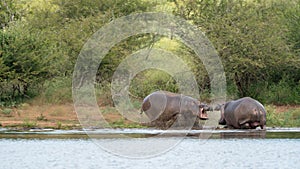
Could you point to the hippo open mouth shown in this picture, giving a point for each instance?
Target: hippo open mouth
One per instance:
(203, 114)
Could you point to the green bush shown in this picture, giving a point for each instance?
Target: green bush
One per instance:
(280, 93)
(152, 80)
(103, 93)
(57, 90)
(257, 41)
(283, 93)
(23, 64)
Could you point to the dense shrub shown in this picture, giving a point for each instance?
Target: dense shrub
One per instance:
(257, 41)
(150, 81)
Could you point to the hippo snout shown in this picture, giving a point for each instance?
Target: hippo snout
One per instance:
(203, 111)
(208, 108)
(218, 107)
(222, 121)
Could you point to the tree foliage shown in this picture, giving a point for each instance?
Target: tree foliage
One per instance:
(258, 42)
(43, 43)
(251, 38)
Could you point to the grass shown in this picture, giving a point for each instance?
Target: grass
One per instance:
(41, 117)
(59, 125)
(6, 112)
(29, 124)
(288, 118)
(122, 124)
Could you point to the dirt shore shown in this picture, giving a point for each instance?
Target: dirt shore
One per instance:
(63, 116)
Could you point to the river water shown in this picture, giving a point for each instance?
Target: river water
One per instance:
(74, 149)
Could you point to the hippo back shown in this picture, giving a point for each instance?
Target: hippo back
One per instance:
(166, 109)
(155, 104)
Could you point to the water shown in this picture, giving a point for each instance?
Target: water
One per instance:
(76, 150)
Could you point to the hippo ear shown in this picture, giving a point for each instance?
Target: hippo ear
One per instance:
(218, 107)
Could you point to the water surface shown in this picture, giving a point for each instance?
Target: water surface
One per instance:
(76, 150)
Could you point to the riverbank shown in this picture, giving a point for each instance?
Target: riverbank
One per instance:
(63, 116)
(207, 133)
(55, 116)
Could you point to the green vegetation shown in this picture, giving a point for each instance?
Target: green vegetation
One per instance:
(258, 42)
(59, 125)
(255, 43)
(28, 124)
(122, 124)
(6, 111)
(152, 80)
(289, 118)
(41, 117)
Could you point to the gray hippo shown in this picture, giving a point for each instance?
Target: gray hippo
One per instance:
(165, 109)
(244, 113)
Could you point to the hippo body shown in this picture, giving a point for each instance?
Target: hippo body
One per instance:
(165, 109)
(244, 113)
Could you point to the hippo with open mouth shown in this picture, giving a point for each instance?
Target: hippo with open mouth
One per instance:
(163, 108)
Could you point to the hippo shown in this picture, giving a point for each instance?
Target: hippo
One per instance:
(244, 113)
(163, 108)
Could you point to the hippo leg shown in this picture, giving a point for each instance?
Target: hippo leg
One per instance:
(254, 125)
(229, 127)
(180, 122)
(263, 127)
(245, 126)
(197, 124)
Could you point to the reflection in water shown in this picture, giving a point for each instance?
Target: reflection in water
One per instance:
(239, 135)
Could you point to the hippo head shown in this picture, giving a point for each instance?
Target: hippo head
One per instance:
(203, 108)
(221, 108)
